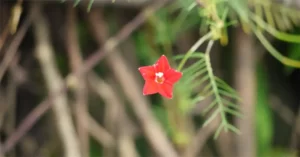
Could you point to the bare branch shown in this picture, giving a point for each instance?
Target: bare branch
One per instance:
(112, 43)
(81, 106)
(13, 47)
(200, 139)
(54, 81)
(29, 121)
(124, 125)
(12, 23)
(139, 104)
(100, 134)
(282, 110)
(296, 132)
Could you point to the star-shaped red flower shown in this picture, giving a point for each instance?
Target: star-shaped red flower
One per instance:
(160, 78)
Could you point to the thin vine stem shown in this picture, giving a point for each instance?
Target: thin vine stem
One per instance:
(277, 34)
(193, 49)
(285, 60)
(214, 84)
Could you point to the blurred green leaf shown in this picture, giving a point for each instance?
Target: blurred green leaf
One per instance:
(181, 138)
(144, 50)
(241, 8)
(95, 149)
(263, 114)
(162, 24)
(162, 116)
(142, 147)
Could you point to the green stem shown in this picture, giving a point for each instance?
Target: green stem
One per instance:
(193, 49)
(214, 84)
(277, 34)
(285, 60)
(90, 5)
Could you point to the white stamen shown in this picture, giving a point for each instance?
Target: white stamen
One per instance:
(159, 74)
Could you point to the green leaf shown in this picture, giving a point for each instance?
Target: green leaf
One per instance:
(195, 75)
(233, 112)
(228, 94)
(240, 6)
(233, 129)
(161, 114)
(210, 106)
(197, 55)
(212, 117)
(198, 99)
(207, 88)
(201, 81)
(195, 67)
(230, 104)
(224, 85)
(263, 114)
(218, 131)
(144, 49)
(163, 30)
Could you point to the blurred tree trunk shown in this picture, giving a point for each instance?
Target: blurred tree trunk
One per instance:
(246, 86)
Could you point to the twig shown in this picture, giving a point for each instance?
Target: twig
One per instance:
(12, 49)
(8, 103)
(79, 89)
(54, 82)
(3, 36)
(289, 117)
(30, 120)
(99, 133)
(111, 114)
(12, 23)
(125, 139)
(3, 107)
(140, 106)
(112, 43)
(201, 137)
(17, 11)
(10, 120)
(282, 110)
(296, 133)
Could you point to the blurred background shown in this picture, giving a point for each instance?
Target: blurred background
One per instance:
(70, 85)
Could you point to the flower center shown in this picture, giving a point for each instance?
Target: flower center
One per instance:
(159, 77)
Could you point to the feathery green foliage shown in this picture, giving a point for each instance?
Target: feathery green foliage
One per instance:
(200, 74)
(278, 18)
(199, 81)
(214, 15)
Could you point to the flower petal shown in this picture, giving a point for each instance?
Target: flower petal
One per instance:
(172, 76)
(166, 90)
(150, 87)
(148, 72)
(162, 64)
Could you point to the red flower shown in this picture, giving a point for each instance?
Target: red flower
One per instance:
(160, 78)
